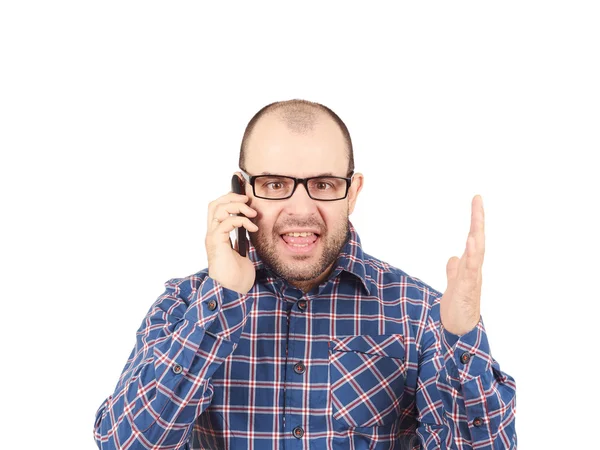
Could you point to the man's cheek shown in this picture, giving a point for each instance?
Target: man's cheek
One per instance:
(265, 222)
(259, 220)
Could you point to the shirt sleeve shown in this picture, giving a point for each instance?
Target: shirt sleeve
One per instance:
(165, 385)
(464, 400)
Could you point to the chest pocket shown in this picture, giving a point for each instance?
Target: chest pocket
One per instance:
(367, 376)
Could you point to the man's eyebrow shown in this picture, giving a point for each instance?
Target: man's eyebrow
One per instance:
(325, 174)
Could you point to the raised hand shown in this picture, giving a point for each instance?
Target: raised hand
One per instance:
(224, 263)
(460, 304)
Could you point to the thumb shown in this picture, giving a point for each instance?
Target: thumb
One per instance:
(452, 269)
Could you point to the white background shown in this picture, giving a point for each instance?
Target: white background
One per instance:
(121, 121)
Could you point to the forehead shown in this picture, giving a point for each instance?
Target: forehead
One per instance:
(274, 147)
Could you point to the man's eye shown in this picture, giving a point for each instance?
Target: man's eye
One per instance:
(322, 186)
(275, 186)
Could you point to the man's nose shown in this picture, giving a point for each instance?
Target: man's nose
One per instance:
(300, 203)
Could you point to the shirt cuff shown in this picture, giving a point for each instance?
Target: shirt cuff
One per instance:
(219, 310)
(209, 300)
(468, 355)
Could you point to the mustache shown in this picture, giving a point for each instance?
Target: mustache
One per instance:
(310, 223)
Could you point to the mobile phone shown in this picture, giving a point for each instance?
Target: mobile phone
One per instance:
(237, 186)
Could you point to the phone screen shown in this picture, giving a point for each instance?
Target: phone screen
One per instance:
(237, 186)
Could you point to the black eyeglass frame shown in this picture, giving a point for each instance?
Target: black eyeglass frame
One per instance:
(252, 178)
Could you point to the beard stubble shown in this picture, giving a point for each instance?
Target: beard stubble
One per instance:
(332, 242)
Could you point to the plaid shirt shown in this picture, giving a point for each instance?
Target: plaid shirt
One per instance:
(359, 362)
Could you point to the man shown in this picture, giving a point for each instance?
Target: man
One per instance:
(309, 342)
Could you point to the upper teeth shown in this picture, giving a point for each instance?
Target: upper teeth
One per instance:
(304, 234)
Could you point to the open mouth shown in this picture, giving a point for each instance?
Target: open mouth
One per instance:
(300, 242)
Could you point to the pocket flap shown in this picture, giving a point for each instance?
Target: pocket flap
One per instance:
(387, 345)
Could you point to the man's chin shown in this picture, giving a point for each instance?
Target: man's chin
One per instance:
(297, 272)
(300, 278)
(294, 266)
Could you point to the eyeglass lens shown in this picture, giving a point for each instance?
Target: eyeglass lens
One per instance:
(322, 188)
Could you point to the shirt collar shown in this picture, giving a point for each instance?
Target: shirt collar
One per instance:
(350, 259)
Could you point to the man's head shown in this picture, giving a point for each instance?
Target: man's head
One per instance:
(300, 116)
(299, 139)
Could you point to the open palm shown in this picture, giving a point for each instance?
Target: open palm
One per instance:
(460, 304)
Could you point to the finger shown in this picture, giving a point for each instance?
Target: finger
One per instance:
(478, 222)
(223, 211)
(473, 260)
(227, 198)
(462, 262)
(219, 212)
(452, 269)
(468, 276)
(476, 238)
(230, 224)
(477, 215)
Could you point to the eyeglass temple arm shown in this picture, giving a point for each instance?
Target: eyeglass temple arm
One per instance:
(245, 175)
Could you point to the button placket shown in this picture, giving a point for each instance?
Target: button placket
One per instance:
(296, 354)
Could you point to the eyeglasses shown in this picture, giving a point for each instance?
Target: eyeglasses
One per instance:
(279, 187)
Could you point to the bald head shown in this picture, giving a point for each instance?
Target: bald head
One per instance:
(300, 117)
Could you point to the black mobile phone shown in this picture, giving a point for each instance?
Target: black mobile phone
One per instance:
(237, 186)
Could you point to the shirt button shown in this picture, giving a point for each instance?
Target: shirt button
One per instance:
(212, 305)
(465, 357)
(302, 305)
(298, 432)
(477, 421)
(299, 368)
(177, 369)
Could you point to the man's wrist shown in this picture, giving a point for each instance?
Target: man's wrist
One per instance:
(468, 354)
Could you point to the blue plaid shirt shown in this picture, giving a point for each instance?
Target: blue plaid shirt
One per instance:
(359, 362)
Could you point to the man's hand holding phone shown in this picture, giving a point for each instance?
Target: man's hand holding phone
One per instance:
(224, 263)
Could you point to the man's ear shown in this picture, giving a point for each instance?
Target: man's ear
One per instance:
(355, 188)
